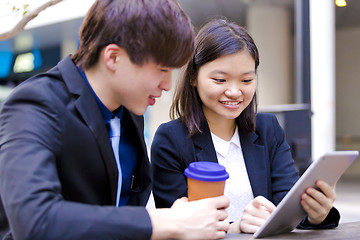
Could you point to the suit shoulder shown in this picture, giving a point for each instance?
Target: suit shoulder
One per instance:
(38, 86)
(48, 85)
(173, 128)
(264, 117)
(174, 125)
(267, 125)
(266, 122)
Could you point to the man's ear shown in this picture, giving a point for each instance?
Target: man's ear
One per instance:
(112, 54)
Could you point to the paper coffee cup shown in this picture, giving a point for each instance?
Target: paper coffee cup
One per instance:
(205, 179)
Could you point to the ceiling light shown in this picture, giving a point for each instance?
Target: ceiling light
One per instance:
(340, 3)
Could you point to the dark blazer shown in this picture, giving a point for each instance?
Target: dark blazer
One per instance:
(267, 156)
(58, 175)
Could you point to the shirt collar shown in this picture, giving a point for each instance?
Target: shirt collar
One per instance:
(105, 112)
(221, 146)
(236, 138)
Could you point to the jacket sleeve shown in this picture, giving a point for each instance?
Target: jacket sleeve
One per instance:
(284, 173)
(331, 221)
(282, 169)
(167, 160)
(30, 188)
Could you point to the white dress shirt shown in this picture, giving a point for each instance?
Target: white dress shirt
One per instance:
(237, 187)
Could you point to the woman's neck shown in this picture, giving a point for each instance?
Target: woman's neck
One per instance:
(223, 129)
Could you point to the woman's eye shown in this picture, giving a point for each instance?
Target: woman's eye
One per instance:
(218, 80)
(247, 80)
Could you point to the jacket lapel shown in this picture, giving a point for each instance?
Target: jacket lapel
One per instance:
(86, 105)
(204, 147)
(141, 180)
(254, 157)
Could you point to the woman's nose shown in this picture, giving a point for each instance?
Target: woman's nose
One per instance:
(233, 93)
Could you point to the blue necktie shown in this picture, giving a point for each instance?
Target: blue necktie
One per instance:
(115, 140)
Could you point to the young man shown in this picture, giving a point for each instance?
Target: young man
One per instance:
(59, 176)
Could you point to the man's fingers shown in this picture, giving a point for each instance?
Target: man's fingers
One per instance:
(221, 202)
(223, 226)
(220, 235)
(179, 201)
(222, 215)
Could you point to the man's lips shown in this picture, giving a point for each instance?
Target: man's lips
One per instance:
(152, 100)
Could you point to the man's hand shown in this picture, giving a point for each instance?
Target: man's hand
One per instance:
(202, 219)
(317, 204)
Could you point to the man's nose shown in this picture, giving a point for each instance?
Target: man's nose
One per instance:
(166, 82)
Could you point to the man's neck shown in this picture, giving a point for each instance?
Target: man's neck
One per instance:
(98, 82)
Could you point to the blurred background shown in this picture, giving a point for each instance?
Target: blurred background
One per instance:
(308, 74)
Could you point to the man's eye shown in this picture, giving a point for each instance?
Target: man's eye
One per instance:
(164, 70)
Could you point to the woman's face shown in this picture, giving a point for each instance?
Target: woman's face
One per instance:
(226, 86)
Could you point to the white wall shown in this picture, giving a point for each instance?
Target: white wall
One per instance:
(348, 82)
(271, 26)
(322, 53)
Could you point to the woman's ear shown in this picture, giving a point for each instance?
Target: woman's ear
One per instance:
(112, 54)
(194, 83)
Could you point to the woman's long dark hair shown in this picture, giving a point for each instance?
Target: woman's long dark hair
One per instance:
(217, 38)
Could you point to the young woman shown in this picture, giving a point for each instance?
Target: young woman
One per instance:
(215, 103)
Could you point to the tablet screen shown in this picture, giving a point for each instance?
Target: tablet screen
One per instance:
(289, 213)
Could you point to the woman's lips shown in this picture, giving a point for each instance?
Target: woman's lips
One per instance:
(231, 104)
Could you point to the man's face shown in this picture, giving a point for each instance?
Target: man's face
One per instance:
(136, 87)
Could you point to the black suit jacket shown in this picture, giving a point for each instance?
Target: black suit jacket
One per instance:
(58, 175)
(267, 156)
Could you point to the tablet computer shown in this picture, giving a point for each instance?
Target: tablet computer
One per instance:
(289, 213)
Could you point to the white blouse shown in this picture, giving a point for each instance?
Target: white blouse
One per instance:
(237, 187)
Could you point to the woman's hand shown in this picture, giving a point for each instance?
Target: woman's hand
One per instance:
(255, 215)
(318, 203)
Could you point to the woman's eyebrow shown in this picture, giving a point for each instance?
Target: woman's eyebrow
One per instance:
(225, 73)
